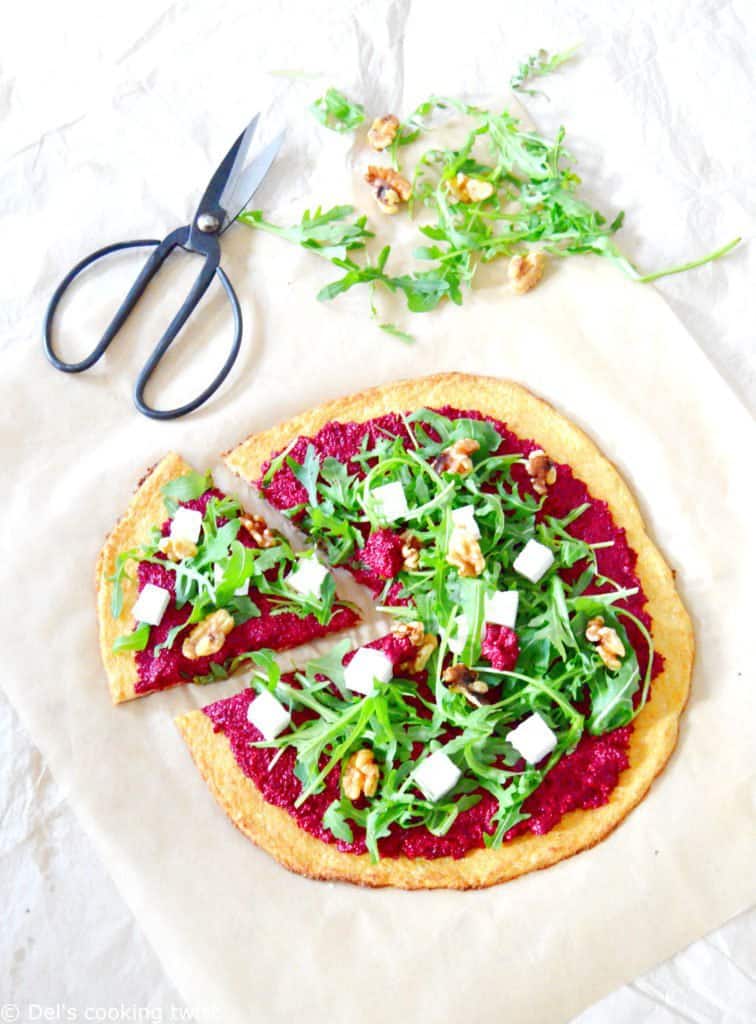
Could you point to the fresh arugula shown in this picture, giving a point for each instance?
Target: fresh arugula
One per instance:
(535, 204)
(137, 640)
(338, 113)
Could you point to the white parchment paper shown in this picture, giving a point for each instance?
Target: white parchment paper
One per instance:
(243, 939)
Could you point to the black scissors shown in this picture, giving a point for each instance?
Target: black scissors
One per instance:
(230, 189)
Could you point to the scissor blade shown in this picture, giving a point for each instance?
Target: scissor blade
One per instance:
(227, 173)
(239, 192)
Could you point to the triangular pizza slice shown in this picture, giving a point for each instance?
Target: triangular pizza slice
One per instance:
(188, 583)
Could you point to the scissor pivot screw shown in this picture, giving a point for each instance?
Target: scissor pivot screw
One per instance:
(208, 223)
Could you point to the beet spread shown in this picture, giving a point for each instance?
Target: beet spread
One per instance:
(279, 632)
(583, 779)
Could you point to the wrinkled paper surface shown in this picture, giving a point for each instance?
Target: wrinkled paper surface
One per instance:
(241, 938)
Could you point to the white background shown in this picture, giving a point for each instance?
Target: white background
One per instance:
(659, 111)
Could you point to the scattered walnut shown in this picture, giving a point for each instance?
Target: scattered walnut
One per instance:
(383, 132)
(208, 636)
(390, 188)
(525, 271)
(461, 679)
(464, 553)
(456, 458)
(411, 548)
(541, 470)
(259, 531)
(464, 189)
(610, 647)
(424, 644)
(177, 548)
(360, 775)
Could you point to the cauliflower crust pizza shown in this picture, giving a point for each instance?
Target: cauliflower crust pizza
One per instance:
(530, 686)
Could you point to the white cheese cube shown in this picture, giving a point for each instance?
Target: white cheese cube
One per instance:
(501, 608)
(268, 715)
(150, 606)
(533, 561)
(186, 524)
(391, 501)
(457, 640)
(307, 578)
(464, 518)
(241, 591)
(366, 666)
(532, 738)
(436, 775)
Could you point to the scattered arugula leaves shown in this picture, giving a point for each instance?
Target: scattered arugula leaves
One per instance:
(338, 113)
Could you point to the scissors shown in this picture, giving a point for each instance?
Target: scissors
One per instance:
(229, 191)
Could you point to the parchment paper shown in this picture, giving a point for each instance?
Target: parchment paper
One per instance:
(243, 939)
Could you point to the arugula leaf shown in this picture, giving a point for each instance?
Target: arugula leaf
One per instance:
(134, 641)
(536, 66)
(612, 697)
(396, 332)
(307, 473)
(336, 823)
(243, 609)
(187, 487)
(330, 664)
(336, 112)
(116, 597)
(329, 233)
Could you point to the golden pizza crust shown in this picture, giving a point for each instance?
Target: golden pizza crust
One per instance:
(146, 510)
(656, 727)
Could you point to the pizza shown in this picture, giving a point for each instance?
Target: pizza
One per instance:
(529, 687)
(189, 584)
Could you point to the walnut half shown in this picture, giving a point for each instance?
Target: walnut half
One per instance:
(176, 549)
(541, 470)
(389, 187)
(461, 679)
(208, 636)
(610, 647)
(525, 271)
(464, 189)
(456, 458)
(410, 551)
(383, 132)
(259, 531)
(424, 644)
(360, 775)
(464, 553)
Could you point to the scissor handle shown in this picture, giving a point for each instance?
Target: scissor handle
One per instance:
(207, 246)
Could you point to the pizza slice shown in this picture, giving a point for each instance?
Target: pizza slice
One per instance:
(554, 652)
(188, 584)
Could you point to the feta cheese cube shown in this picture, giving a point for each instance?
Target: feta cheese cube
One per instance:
(366, 666)
(464, 519)
(241, 591)
(436, 775)
(150, 606)
(501, 608)
(186, 524)
(391, 501)
(532, 738)
(457, 640)
(533, 561)
(268, 715)
(307, 578)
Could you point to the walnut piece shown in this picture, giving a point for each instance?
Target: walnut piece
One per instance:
(461, 679)
(410, 552)
(610, 647)
(541, 470)
(360, 775)
(208, 636)
(383, 132)
(176, 549)
(389, 187)
(456, 458)
(424, 644)
(525, 271)
(464, 553)
(464, 189)
(259, 531)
